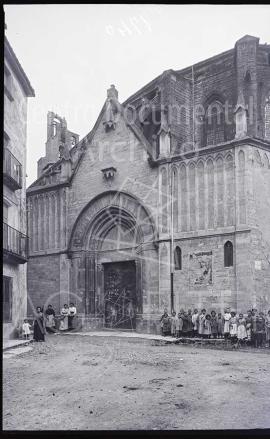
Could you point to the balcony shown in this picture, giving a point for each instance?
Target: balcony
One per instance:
(15, 245)
(12, 171)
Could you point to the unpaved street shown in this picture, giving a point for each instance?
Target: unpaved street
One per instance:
(84, 383)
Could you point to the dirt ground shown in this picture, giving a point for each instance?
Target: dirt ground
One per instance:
(93, 383)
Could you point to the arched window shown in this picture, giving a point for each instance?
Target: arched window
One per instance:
(54, 129)
(178, 258)
(248, 99)
(267, 118)
(247, 77)
(214, 124)
(228, 254)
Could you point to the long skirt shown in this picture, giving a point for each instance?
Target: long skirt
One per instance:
(267, 333)
(71, 322)
(166, 326)
(201, 327)
(173, 326)
(38, 331)
(233, 330)
(50, 321)
(226, 327)
(241, 332)
(220, 327)
(63, 324)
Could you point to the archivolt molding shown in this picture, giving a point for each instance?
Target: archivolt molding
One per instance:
(106, 211)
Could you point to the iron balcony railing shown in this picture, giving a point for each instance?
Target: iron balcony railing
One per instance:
(12, 170)
(15, 244)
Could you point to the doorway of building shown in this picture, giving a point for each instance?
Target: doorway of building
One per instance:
(120, 295)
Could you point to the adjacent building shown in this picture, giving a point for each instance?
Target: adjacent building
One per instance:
(165, 203)
(17, 90)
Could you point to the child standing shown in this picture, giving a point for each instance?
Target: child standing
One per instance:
(165, 324)
(267, 328)
(185, 323)
(214, 324)
(179, 325)
(173, 324)
(233, 327)
(220, 325)
(207, 326)
(195, 322)
(254, 315)
(249, 325)
(259, 330)
(241, 330)
(201, 322)
(189, 324)
(227, 318)
(26, 329)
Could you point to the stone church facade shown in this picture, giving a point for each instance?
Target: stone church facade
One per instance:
(164, 204)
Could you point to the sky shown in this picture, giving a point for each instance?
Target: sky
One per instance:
(73, 53)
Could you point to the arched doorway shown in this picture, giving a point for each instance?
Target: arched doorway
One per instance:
(112, 237)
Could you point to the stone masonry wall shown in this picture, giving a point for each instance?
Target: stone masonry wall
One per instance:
(15, 118)
(43, 282)
(121, 149)
(260, 242)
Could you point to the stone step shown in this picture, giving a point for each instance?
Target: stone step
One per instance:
(11, 344)
(137, 335)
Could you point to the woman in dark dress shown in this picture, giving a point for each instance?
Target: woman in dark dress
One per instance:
(50, 319)
(185, 328)
(165, 324)
(39, 325)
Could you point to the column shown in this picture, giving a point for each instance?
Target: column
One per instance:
(56, 219)
(39, 231)
(35, 223)
(63, 218)
(139, 292)
(46, 243)
(53, 220)
(90, 280)
(50, 237)
(64, 279)
(31, 237)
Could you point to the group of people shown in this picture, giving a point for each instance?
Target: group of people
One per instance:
(45, 322)
(252, 328)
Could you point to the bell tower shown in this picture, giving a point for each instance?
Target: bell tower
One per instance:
(57, 135)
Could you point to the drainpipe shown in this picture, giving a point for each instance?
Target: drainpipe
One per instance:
(193, 108)
(172, 243)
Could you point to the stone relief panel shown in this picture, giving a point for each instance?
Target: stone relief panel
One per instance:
(200, 269)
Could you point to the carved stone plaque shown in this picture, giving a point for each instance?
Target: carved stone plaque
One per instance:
(200, 268)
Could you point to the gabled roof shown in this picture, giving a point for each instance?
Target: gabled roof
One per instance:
(18, 70)
(46, 172)
(88, 138)
(136, 130)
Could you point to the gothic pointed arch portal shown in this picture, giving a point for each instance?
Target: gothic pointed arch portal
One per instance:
(112, 239)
